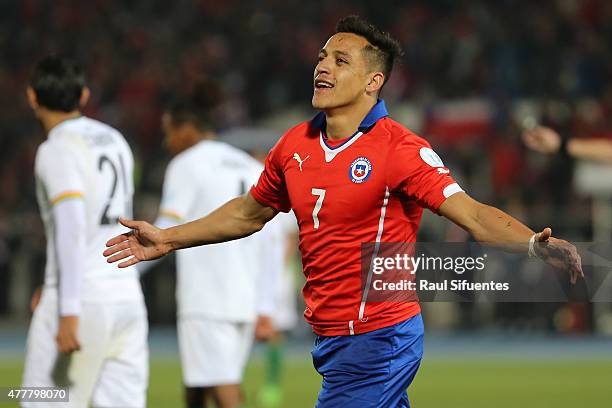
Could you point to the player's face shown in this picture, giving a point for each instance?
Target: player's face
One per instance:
(175, 138)
(342, 73)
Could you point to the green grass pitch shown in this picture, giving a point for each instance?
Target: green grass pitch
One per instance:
(439, 383)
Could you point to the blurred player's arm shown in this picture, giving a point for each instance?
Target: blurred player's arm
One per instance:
(272, 263)
(238, 218)
(547, 141)
(35, 300)
(492, 226)
(55, 164)
(70, 225)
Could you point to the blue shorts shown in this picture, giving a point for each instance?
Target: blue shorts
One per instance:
(371, 369)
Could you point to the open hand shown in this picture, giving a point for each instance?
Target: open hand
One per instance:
(143, 243)
(559, 254)
(542, 139)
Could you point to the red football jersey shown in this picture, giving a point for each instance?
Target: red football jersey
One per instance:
(371, 187)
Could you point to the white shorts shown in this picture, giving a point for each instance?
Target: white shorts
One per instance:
(213, 352)
(110, 370)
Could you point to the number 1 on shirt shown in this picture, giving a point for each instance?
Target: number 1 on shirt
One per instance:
(315, 212)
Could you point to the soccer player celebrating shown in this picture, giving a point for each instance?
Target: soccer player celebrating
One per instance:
(352, 175)
(89, 329)
(225, 293)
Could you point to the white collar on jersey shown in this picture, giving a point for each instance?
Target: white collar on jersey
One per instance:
(55, 129)
(331, 152)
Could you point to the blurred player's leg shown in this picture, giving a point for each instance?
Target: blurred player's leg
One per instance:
(213, 356)
(227, 396)
(271, 396)
(41, 349)
(195, 397)
(46, 367)
(284, 318)
(124, 375)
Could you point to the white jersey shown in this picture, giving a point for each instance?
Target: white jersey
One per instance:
(214, 281)
(286, 317)
(86, 159)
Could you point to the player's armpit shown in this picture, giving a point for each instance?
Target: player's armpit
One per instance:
(256, 211)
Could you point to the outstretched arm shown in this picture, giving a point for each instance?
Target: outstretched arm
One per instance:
(545, 140)
(492, 226)
(590, 149)
(238, 218)
(162, 222)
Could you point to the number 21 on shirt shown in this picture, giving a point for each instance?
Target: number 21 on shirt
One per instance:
(115, 200)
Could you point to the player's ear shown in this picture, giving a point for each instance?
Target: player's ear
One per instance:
(85, 94)
(377, 79)
(32, 100)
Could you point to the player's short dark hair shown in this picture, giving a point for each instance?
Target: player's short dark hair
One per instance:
(197, 108)
(383, 49)
(58, 83)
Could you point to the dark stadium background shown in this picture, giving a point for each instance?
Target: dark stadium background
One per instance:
(473, 71)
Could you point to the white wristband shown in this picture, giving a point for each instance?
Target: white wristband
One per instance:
(531, 251)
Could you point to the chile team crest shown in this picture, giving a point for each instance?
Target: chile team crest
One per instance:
(360, 170)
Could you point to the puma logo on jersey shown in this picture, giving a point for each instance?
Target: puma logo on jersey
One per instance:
(443, 171)
(299, 160)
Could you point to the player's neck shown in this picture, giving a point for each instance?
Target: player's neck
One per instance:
(209, 135)
(51, 119)
(344, 121)
(200, 137)
(192, 140)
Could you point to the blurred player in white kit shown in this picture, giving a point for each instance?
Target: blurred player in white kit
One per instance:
(223, 291)
(284, 316)
(89, 330)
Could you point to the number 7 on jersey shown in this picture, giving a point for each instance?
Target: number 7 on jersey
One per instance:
(319, 192)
